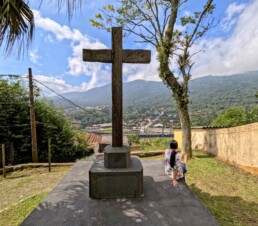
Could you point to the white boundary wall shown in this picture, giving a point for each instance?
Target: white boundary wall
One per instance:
(237, 145)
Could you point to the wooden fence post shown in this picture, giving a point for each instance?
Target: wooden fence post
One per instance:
(3, 160)
(49, 154)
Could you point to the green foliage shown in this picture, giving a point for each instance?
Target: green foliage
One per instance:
(236, 116)
(149, 144)
(253, 115)
(92, 117)
(14, 118)
(65, 145)
(133, 139)
(188, 20)
(51, 123)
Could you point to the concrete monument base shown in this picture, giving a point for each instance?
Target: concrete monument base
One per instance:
(117, 157)
(116, 182)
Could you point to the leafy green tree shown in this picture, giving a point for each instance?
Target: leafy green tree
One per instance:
(234, 116)
(253, 115)
(14, 118)
(51, 123)
(155, 22)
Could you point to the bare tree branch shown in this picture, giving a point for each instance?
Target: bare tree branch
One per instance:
(206, 8)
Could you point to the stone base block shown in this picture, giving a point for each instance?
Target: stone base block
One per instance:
(117, 157)
(116, 183)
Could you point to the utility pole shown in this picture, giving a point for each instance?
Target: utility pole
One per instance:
(33, 121)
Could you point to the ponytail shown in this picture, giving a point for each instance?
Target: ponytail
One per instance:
(173, 146)
(172, 159)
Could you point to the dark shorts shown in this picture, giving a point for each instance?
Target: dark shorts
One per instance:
(181, 179)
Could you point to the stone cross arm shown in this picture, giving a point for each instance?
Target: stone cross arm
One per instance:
(128, 56)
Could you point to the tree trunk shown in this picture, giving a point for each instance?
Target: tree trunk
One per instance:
(186, 132)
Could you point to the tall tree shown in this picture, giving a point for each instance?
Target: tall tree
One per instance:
(51, 123)
(158, 22)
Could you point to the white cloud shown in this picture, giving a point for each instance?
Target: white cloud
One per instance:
(33, 55)
(100, 73)
(232, 11)
(235, 54)
(79, 41)
(49, 38)
(56, 84)
(143, 71)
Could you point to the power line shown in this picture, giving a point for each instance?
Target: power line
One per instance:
(61, 96)
(19, 76)
(15, 76)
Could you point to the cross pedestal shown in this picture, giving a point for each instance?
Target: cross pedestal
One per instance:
(118, 174)
(116, 182)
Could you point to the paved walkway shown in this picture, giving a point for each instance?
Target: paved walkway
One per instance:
(69, 203)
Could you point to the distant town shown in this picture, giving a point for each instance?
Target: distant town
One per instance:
(136, 120)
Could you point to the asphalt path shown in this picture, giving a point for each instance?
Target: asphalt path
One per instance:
(69, 203)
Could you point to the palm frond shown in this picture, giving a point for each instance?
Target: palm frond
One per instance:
(71, 5)
(16, 26)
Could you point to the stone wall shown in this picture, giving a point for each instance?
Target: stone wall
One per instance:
(237, 145)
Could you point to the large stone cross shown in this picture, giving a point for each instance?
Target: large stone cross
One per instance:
(117, 56)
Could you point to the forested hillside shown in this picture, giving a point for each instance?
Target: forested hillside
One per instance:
(209, 96)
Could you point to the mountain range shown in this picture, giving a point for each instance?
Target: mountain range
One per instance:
(212, 92)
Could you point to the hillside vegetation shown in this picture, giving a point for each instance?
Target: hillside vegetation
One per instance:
(209, 97)
(204, 92)
(66, 144)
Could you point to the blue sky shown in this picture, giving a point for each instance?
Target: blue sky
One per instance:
(56, 53)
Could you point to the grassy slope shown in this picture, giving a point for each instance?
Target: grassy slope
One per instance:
(21, 192)
(231, 194)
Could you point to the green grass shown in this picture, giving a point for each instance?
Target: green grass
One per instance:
(16, 215)
(23, 190)
(230, 193)
(152, 144)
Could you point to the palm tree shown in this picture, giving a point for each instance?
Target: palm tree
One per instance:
(16, 26)
(17, 23)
